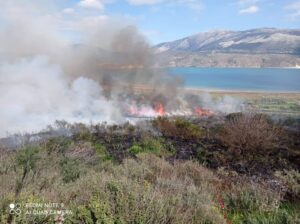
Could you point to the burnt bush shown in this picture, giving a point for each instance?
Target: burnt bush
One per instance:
(250, 135)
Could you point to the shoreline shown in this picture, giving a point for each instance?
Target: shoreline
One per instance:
(142, 88)
(206, 67)
(215, 90)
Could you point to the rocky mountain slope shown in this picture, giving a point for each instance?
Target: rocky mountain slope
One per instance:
(266, 47)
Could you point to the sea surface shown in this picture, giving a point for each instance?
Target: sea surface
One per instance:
(240, 79)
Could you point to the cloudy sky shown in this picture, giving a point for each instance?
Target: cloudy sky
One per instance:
(164, 20)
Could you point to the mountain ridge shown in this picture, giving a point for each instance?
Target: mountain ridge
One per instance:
(265, 46)
(262, 40)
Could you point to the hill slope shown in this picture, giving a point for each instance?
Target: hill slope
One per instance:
(252, 48)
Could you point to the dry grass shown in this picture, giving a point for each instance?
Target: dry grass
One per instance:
(145, 190)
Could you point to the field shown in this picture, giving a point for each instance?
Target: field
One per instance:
(265, 102)
(239, 168)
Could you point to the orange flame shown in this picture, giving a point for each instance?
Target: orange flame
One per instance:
(133, 110)
(159, 108)
(203, 112)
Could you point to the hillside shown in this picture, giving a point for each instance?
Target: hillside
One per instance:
(239, 168)
(267, 47)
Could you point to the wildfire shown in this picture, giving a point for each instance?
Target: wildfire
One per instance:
(132, 110)
(203, 112)
(159, 108)
(147, 111)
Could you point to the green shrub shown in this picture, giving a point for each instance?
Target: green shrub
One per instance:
(202, 156)
(58, 144)
(253, 203)
(178, 128)
(82, 133)
(149, 145)
(135, 149)
(291, 178)
(152, 145)
(70, 170)
(26, 159)
(124, 194)
(252, 198)
(102, 152)
(278, 216)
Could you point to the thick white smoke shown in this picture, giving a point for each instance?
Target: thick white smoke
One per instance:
(35, 93)
(45, 76)
(79, 67)
(225, 104)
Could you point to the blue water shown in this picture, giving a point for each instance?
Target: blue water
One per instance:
(245, 79)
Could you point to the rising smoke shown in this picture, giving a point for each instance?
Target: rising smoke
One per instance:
(76, 68)
(45, 77)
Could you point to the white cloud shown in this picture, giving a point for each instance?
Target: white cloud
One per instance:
(294, 10)
(247, 2)
(143, 2)
(248, 6)
(68, 10)
(94, 4)
(193, 4)
(89, 23)
(249, 10)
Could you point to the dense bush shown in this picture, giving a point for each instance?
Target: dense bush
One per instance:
(251, 202)
(135, 149)
(58, 144)
(69, 170)
(150, 145)
(26, 160)
(250, 135)
(178, 128)
(102, 152)
(291, 178)
(146, 190)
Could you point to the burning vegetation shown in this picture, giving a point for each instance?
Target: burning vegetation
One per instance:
(179, 159)
(158, 110)
(100, 79)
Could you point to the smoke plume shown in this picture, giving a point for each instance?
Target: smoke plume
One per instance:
(45, 75)
(78, 67)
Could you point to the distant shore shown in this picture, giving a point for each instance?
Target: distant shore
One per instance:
(215, 90)
(246, 94)
(145, 88)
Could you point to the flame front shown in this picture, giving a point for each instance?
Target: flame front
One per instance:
(146, 111)
(159, 108)
(202, 112)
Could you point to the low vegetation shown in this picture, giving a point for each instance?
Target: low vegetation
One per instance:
(243, 168)
(250, 135)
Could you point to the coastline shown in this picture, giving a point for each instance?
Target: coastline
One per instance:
(235, 91)
(220, 67)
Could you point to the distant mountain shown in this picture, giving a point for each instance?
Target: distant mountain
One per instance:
(264, 47)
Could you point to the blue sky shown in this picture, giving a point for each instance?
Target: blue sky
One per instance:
(166, 20)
